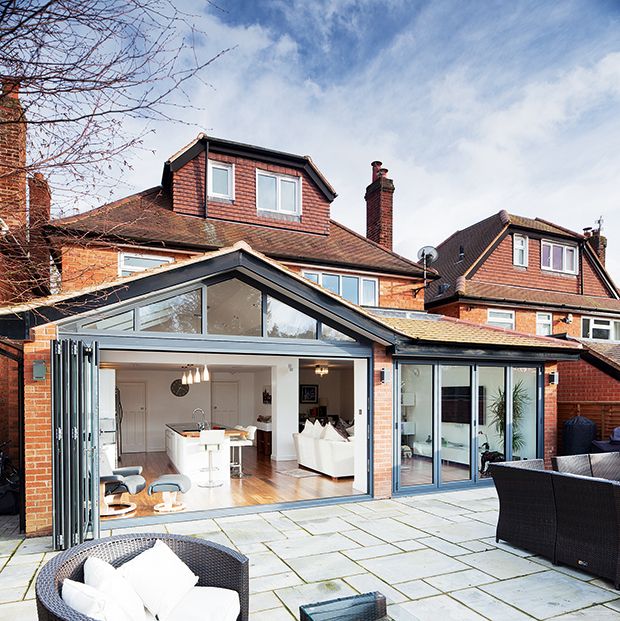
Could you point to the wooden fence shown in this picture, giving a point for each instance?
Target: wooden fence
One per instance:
(606, 415)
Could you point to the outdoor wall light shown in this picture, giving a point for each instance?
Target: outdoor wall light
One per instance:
(384, 375)
(39, 370)
(554, 378)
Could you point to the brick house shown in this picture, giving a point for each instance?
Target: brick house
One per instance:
(540, 278)
(228, 295)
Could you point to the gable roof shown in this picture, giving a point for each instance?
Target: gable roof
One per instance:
(603, 355)
(479, 239)
(147, 219)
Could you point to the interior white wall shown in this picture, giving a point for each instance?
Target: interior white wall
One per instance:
(360, 405)
(285, 417)
(262, 381)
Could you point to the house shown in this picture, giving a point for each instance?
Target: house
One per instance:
(228, 296)
(540, 278)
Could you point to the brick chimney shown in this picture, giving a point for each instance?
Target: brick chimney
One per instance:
(379, 200)
(12, 159)
(597, 241)
(39, 215)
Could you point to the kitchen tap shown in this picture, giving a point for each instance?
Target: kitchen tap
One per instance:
(202, 423)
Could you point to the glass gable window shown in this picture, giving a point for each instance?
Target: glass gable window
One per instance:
(181, 314)
(331, 334)
(600, 329)
(234, 307)
(278, 193)
(122, 322)
(283, 321)
(356, 289)
(519, 250)
(130, 263)
(221, 180)
(501, 319)
(558, 257)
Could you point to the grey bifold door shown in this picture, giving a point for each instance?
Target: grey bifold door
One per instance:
(75, 427)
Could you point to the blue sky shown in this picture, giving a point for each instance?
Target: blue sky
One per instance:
(473, 106)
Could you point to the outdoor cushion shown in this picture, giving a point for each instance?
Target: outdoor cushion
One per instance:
(90, 602)
(108, 580)
(206, 604)
(160, 578)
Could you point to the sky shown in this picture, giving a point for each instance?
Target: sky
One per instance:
(473, 106)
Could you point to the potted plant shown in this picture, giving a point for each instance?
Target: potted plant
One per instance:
(520, 400)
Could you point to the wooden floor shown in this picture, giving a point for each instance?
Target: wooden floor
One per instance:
(264, 483)
(419, 471)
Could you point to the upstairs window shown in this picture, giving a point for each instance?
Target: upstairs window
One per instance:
(600, 329)
(221, 180)
(278, 193)
(501, 319)
(356, 289)
(558, 257)
(130, 263)
(544, 324)
(519, 250)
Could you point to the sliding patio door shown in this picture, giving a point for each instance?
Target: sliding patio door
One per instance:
(75, 427)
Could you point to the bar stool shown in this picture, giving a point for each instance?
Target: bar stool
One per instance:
(212, 440)
(239, 443)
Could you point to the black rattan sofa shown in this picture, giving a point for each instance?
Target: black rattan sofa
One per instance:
(215, 565)
(568, 518)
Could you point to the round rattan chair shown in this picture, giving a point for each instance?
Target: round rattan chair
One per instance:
(214, 564)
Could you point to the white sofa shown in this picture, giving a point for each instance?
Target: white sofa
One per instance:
(331, 457)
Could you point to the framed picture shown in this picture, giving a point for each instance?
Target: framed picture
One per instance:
(267, 395)
(309, 393)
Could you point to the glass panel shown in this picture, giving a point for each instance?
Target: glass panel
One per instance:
(286, 322)
(219, 181)
(234, 307)
(546, 255)
(416, 426)
(181, 313)
(491, 417)
(585, 328)
(331, 334)
(331, 282)
(312, 276)
(369, 292)
(267, 193)
(570, 260)
(600, 333)
(122, 322)
(558, 257)
(455, 427)
(616, 330)
(288, 195)
(524, 413)
(350, 288)
(142, 263)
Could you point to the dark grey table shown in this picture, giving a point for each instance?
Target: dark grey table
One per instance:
(365, 607)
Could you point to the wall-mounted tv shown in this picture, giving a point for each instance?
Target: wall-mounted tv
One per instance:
(456, 404)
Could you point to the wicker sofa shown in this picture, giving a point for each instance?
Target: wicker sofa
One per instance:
(566, 517)
(215, 565)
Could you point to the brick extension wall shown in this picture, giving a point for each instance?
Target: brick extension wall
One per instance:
(582, 381)
(550, 414)
(9, 406)
(382, 424)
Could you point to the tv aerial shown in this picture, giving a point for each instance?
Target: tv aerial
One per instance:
(426, 256)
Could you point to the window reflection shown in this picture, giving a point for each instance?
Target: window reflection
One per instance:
(284, 321)
(122, 322)
(234, 307)
(182, 314)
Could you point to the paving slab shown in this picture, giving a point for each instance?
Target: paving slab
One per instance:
(460, 580)
(265, 564)
(440, 607)
(324, 566)
(417, 589)
(294, 597)
(309, 546)
(389, 529)
(595, 613)
(500, 564)
(366, 583)
(487, 605)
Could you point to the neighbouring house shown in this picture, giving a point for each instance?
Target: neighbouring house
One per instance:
(228, 295)
(540, 278)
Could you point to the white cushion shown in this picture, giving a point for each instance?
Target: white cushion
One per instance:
(206, 604)
(110, 582)
(308, 429)
(159, 577)
(329, 433)
(351, 430)
(90, 602)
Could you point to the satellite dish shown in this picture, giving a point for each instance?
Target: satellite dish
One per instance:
(428, 255)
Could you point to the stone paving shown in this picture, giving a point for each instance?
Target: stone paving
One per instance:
(434, 557)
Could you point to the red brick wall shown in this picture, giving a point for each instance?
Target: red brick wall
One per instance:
(498, 268)
(9, 407)
(395, 292)
(379, 199)
(188, 196)
(383, 424)
(550, 415)
(38, 434)
(582, 381)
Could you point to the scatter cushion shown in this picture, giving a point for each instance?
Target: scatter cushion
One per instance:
(341, 428)
(206, 604)
(330, 433)
(90, 602)
(351, 430)
(109, 581)
(160, 578)
(309, 428)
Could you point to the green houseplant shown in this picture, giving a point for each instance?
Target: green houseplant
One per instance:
(520, 400)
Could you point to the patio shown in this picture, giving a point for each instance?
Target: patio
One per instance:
(433, 556)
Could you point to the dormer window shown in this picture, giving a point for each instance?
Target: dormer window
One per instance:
(221, 180)
(278, 193)
(556, 257)
(519, 250)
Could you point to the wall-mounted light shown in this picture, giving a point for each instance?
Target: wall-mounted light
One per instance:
(554, 378)
(568, 319)
(385, 375)
(39, 370)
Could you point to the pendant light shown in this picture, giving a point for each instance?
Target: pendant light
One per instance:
(197, 376)
(205, 373)
(190, 377)
(184, 378)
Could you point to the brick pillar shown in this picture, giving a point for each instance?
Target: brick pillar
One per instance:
(379, 202)
(39, 215)
(550, 414)
(383, 424)
(38, 434)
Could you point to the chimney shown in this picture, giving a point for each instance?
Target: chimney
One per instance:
(597, 241)
(13, 160)
(379, 200)
(39, 215)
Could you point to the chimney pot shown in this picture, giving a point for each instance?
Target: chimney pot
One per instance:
(376, 167)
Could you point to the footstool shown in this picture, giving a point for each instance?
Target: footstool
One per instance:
(170, 485)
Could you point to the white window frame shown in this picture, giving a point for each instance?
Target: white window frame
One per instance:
(231, 180)
(611, 327)
(506, 323)
(279, 178)
(132, 268)
(515, 250)
(552, 244)
(360, 283)
(544, 319)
